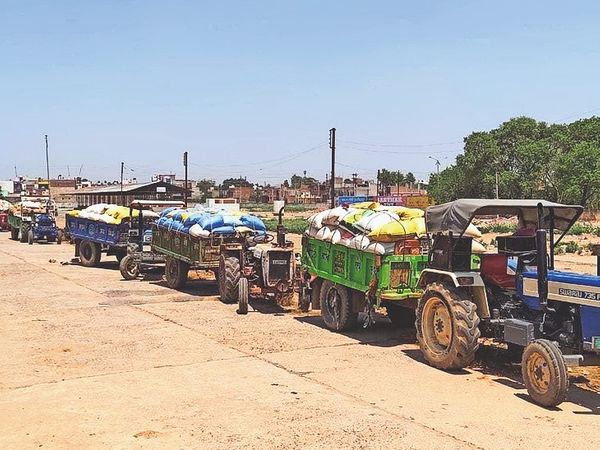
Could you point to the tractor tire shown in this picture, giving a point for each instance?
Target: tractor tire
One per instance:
(59, 237)
(14, 234)
(89, 253)
(129, 268)
(30, 237)
(243, 296)
(176, 273)
(336, 307)
(23, 235)
(545, 373)
(230, 274)
(447, 327)
(400, 316)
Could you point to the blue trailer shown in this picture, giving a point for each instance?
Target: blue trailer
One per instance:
(93, 237)
(517, 297)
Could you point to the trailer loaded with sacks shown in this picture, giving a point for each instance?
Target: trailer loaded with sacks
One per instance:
(102, 228)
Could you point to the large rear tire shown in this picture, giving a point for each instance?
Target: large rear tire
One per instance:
(129, 268)
(176, 272)
(243, 296)
(89, 253)
(336, 307)
(447, 327)
(230, 273)
(545, 373)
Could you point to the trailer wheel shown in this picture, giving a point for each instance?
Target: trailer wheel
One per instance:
(129, 268)
(176, 273)
(59, 237)
(545, 373)
(336, 307)
(243, 296)
(230, 273)
(447, 327)
(400, 316)
(23, 235)
(89, 253)
(30, 237)
(14, 234)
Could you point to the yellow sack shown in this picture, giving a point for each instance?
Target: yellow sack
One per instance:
(397, 230)
(365, 205)
(74, 213)
(407, 213)
(354, 217)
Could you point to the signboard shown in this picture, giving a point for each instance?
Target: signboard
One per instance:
(161, 189)
(392, 200)
(418, 201)
(349, 199)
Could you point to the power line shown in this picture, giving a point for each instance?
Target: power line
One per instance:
(373, 144)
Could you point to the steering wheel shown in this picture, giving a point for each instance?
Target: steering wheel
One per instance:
(261, 238)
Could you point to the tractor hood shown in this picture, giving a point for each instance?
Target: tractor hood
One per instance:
(457, 215)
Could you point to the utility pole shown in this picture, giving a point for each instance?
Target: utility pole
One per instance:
(354, 177)
(332, 147)
(437, 163)
(497, 189)
(185, 168)
(397, 182)
(47, 169)
(122, 166)
(16, 174)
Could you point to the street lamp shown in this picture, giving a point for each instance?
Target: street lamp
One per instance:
(437, 163)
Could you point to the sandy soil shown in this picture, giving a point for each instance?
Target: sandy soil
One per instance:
(91, 361)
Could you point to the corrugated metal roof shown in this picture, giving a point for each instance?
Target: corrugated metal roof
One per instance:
(116, 188)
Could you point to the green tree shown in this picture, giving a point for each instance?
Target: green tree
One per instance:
(578, 174)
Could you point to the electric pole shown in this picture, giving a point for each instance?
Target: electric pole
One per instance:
(332, 147)
(122, 166)
(185, 168)
(47, 169)
(437, 163)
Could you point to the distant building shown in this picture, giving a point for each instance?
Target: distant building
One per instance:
(164, 177)
(156, 190)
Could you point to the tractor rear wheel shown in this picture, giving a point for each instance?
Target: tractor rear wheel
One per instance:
(89, 253)
(336, 307)
(230, 273)
(447, 327)
(400, 316)
(129, 268)
(243, 296)
(545, 373)
(176, 273)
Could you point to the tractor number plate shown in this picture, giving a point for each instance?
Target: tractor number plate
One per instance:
(279, 262)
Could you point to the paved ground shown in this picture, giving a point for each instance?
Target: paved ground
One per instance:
(89, 360)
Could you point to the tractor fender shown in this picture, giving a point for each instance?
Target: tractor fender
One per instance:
(468, 281)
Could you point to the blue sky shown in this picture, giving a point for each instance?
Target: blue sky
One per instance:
(252, 88)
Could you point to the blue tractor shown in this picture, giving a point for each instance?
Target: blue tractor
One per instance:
(515, 296)
(42, 227)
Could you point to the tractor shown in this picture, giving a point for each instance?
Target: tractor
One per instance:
(258, 266)
(516, 296)
(139, 259)
(42, 227)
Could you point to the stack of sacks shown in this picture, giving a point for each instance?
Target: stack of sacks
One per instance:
(112, 214)
(371, 227)
(206, 222)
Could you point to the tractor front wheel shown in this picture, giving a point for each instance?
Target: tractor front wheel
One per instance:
(230, 274)
(545, 373)
(336, 307)
(243, 296)
(176, 273)
(129, 268)
(447, 327)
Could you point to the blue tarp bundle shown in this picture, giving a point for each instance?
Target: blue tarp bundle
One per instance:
(210, 221)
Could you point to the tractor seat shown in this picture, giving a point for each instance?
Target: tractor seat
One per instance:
(493, 271)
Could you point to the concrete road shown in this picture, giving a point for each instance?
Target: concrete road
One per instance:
(91, 361)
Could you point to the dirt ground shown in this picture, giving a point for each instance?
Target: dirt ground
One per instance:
(91, 361)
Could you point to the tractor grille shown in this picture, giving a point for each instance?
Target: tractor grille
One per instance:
(279, 266)
(399, 274)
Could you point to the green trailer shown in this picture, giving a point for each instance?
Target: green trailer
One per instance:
(184, 252)
(19, 226)
(342, 281)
